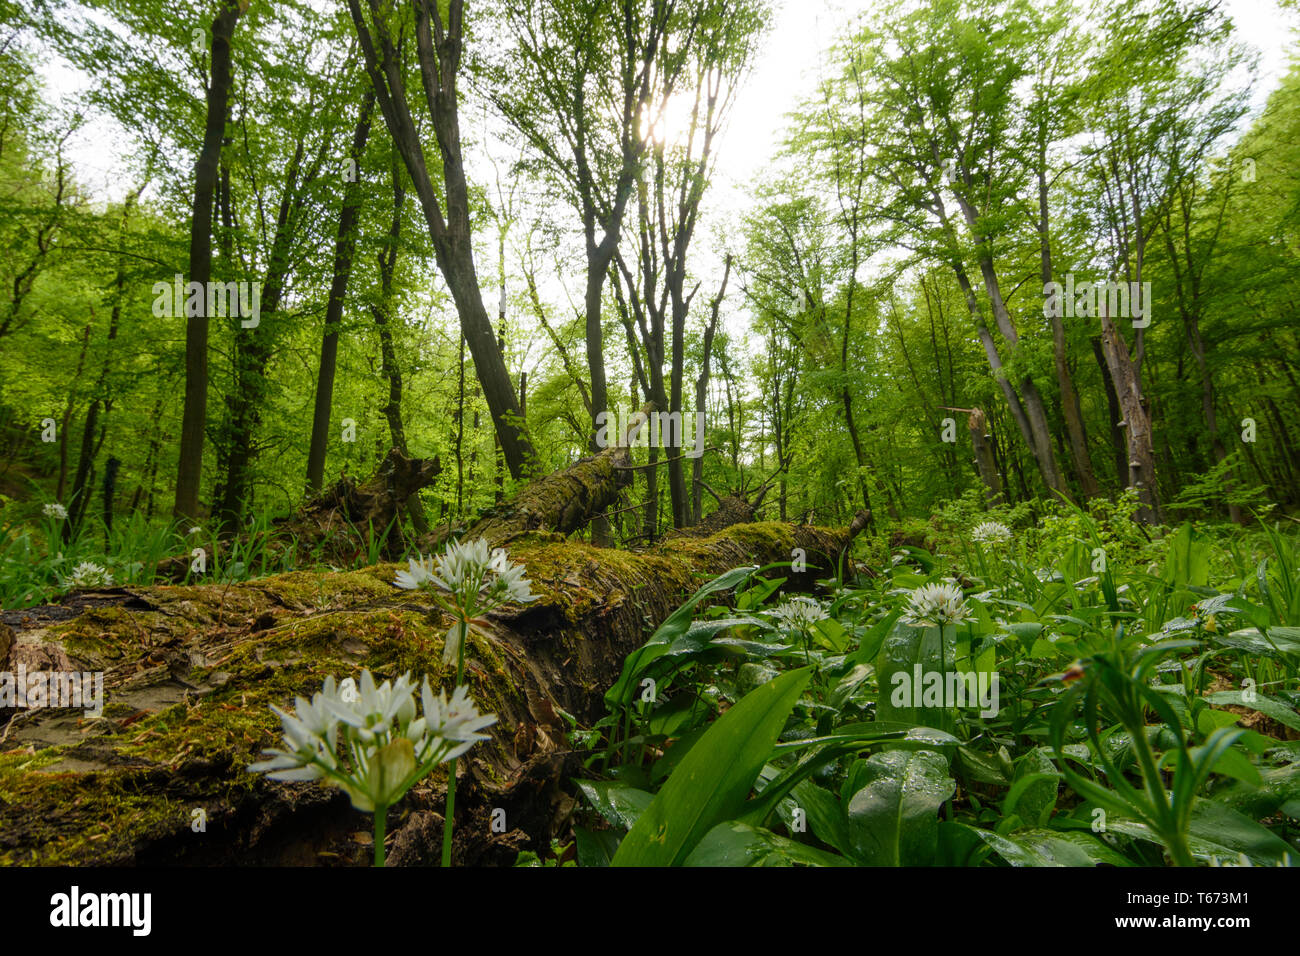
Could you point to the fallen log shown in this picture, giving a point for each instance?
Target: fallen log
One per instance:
(189, 673)
(562, 502)
(338, 518)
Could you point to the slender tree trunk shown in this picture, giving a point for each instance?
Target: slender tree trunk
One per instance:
(984, 463)
(382, 313)
(439, 43)
(189, 476)
(1071, 409)
(702, 392)
(344, 249)
(253, 350)
(1141, 474)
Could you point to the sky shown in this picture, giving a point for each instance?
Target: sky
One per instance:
(786, 70)
(803, 30)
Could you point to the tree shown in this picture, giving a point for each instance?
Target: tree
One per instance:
(439, 45)
(189, 474)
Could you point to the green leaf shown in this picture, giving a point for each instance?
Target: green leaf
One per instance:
(1278, 643)
(595, 847)
(676, 625)
(619, 803)
(1218, 832)
(739, 844)
(1268, 706)
(712, 781)
(893, 818)
(934, 650)
(1039, 847)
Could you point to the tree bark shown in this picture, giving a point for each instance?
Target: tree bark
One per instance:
(189, 474)
(439, 47)
(1141, 473)
(1071, 410)
(702, 392)
(344, 247)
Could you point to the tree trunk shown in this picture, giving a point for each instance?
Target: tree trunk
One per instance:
(1141, 474)
(984, 463)
(189, 474)
(381, 311)
(438, 46)
(1071, 410)
(702, 392)
(344, 247)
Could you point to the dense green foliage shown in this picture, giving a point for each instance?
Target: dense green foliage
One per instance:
(473, 230)
(1142, 715)
(956, 158)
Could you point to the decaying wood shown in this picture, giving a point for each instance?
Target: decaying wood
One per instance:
(189, 673)
(345, 511)
(562, 502)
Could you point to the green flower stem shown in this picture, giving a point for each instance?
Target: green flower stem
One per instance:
(381, 822)
(450, 813)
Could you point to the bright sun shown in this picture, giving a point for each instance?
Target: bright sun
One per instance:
(668, 123)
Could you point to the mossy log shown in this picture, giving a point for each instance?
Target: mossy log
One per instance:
(562, 502)
(189, 672)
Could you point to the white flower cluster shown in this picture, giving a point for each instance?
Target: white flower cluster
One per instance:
(87, 574)
(55, 510)
(390, 748)
(463, 571)
(799, 612)
(934, 605)
(478, 579)
(990, 532)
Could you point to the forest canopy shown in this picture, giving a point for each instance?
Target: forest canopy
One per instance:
(903, 312)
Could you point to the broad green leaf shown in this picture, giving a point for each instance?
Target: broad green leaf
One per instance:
(1278, 643)
(712, 781)
(893, 818)
(676, 625)
(1280, 711)
(1219, 832)
(1038, 847)
(619, 803)
(934, 651)
(595, 847)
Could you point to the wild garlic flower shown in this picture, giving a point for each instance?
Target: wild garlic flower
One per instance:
(990, 532)
(799, 612)
(419, 573)
(934, 605)
(55, 510)
(390, 748)
(87, 574)
(476, 578)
